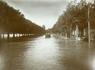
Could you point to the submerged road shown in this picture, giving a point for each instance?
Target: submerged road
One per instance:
(47, 54)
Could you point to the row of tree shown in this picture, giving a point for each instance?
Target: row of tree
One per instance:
(76, 14)
(13, 21)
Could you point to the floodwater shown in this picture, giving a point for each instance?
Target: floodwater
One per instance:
(47, 54)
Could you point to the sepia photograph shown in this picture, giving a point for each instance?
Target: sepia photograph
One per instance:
(47, 34)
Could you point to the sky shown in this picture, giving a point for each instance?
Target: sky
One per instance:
(41, 12)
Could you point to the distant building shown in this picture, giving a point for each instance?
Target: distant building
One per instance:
(76, 33)
(44, 27)
(92, 34)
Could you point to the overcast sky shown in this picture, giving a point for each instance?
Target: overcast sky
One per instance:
(42, 12)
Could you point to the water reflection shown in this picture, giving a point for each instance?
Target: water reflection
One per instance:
(43, 55)
(46, 54)
(93, 64)
(1, 62)
(12, 55)
(92, 59)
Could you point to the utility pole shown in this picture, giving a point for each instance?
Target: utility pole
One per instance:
(89, 25)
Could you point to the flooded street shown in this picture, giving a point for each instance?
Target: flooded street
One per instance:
(47, 54)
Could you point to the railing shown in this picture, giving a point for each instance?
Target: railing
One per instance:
(12, 35)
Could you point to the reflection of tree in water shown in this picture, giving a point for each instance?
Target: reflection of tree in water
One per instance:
(13, 55)
(76, 59)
